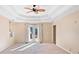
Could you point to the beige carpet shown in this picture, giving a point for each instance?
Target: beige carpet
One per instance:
(44, 48)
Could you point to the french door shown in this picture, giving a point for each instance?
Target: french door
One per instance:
(33, 33)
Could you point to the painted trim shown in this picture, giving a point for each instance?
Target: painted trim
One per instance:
(33, 21)
(64, 49)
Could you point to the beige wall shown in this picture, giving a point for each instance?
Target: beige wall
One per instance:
(47, 33)
(20, 30)
(67, 35)
(5, 42)
(21, 33)
(11, 29)
(11, 26)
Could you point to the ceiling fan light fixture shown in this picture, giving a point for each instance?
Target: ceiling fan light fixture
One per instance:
(34, 9)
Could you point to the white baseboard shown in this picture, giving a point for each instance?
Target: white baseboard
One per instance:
(64, 49)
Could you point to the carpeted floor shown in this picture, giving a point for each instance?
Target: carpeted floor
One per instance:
(44, 48)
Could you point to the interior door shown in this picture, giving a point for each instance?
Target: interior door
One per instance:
(54, 34)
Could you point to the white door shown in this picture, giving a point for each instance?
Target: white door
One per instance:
(33, 33)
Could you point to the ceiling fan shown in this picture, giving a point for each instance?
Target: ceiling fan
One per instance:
(35, 9)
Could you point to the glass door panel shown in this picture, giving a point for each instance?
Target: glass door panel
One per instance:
(33, 33)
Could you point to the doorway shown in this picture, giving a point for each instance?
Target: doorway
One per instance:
(33, 33)
(54, 34)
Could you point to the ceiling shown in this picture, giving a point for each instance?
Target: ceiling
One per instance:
(18, 13)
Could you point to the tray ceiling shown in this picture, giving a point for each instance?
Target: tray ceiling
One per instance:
(18, 13)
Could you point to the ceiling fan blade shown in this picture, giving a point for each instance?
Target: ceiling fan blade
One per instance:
(27, 8)
(29, 11)
(41, 10)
